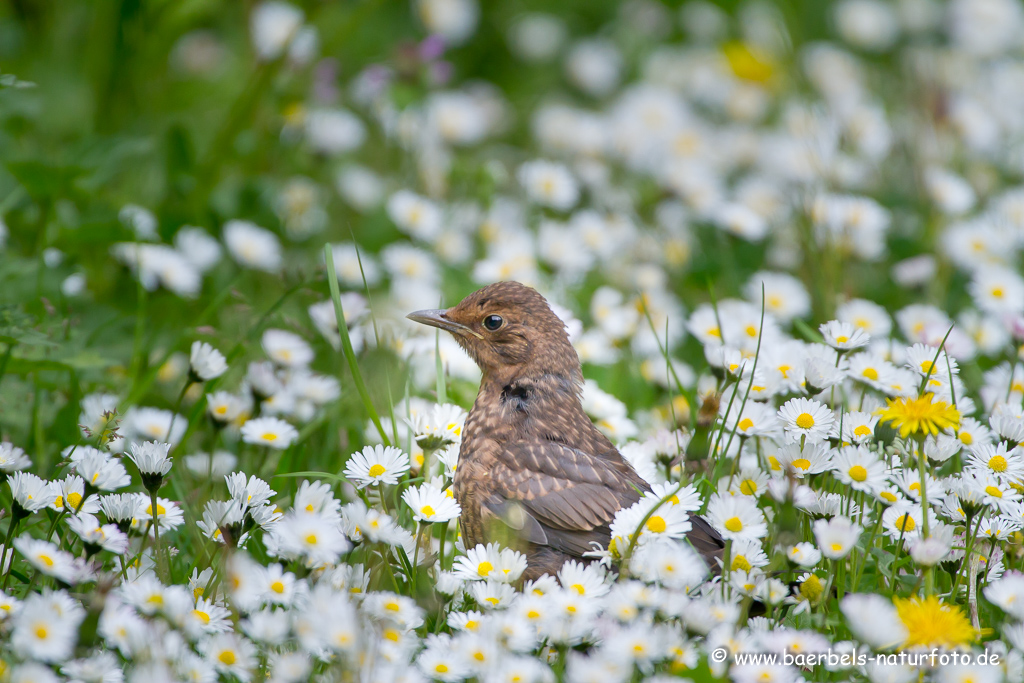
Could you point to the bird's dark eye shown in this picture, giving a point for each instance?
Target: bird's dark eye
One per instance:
(493, 322)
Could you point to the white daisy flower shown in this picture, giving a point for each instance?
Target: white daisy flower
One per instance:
(439, 427)
(490, 562)
(96, 536)
(269, 431)
(151, 458)
(415, 215)
(803, 461)
(736, 517)
(206, 362)
(843, 336)
(865, 315)
(549, 184)
(30, 493)
(999, 460)
(859, 468)
(287, 349)
(836, 537)
(252, 246)
(48, 558)
(376, 465)
(803, 418)
(231, 655)
(430, 504)
(858, 427)
(804, 554)
(12, 458)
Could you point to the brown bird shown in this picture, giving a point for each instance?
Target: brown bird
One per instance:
(532, 464)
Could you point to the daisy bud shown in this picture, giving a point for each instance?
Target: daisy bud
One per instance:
(153, 462)
(30, 494)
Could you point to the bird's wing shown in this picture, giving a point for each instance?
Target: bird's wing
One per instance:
(559, 496)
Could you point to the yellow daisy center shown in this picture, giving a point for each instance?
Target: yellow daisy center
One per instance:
(656, 524)
(858, 473)
(734, 524)
(905, 523)
(804, 420)
(377, 470)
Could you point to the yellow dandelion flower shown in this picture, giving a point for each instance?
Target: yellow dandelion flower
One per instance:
(919, 416)
(932, 623)
(748, 62)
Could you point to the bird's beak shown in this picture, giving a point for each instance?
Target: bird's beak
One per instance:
(436, 318)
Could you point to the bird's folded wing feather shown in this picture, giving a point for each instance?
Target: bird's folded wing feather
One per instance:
(559, 496)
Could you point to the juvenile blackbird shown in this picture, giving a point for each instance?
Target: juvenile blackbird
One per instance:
(532, 464)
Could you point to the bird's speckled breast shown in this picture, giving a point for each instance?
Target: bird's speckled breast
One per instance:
(483, 433)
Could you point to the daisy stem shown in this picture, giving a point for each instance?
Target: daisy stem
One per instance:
(841, 580)
(383, 501)
(156, 527)
(416, 554)
(895, 557)
(968, 549)
(828, 588)
(750, 384)
(177, 407)
(923, 463)
(31, 584)
(635, 536)
(736, 461)
(440, 552)
(15, 521)
(387, 568)
(56, 521)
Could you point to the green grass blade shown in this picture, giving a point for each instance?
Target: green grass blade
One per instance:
(346, 344)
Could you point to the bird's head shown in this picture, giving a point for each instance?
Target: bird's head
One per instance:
(510, 331)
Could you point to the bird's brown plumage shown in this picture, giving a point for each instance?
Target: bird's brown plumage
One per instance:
(532, 466)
